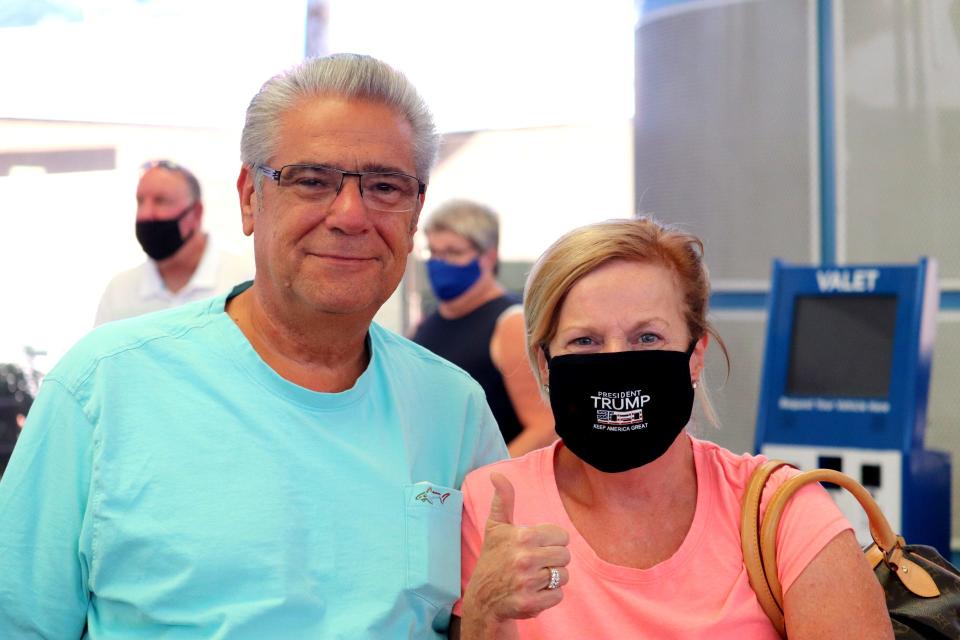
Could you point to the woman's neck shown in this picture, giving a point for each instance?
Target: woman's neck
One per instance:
(637, 518)
(658, 483)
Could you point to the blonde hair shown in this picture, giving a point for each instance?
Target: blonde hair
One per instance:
(583, 250)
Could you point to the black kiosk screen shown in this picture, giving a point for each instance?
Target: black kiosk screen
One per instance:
(842, 346)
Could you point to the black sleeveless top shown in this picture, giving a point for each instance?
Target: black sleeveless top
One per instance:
(466, 343)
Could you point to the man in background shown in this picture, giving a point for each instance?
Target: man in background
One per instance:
(183, 263)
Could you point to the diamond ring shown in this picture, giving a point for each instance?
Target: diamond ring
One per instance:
(554, 578)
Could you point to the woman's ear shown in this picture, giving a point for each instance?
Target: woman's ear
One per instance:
(488, 259)
(543, 367)
(697, 358)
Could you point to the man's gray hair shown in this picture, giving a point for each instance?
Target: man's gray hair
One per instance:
(345, 75)
(475, 222)
(169, 165)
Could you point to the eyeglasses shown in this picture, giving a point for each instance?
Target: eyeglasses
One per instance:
(381, 190)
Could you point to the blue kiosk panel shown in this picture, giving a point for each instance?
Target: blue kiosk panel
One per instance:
(848, 356)
(845, 385)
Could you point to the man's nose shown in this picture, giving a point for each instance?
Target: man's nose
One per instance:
(348, 211)
(147, 211)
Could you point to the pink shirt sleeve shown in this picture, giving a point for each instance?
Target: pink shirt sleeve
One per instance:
(809, 523)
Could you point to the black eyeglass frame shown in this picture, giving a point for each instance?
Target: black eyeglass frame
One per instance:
(274, 174)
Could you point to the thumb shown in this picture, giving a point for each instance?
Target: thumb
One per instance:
(501, 507)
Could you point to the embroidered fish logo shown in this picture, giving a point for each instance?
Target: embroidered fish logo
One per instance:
(429, 495)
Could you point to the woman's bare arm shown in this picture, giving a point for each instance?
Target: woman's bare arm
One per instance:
(837, 596)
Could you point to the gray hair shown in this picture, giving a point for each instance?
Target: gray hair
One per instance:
(169, 165)
(345, 75)
(472, 220)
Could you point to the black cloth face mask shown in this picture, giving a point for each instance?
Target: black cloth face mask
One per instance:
(161, 239)
(619, 411)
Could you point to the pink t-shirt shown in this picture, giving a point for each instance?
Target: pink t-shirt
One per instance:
(702, 591)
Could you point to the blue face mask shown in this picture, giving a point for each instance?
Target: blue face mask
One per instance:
(450, 280)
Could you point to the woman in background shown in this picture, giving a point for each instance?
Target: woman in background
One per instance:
(479, 325)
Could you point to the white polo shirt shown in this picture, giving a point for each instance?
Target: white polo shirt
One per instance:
(141, 289)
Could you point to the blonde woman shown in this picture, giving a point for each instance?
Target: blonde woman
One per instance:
(628, 527)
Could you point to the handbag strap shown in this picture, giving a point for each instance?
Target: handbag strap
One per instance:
(760, 545)
(913, 576)
(750, 542)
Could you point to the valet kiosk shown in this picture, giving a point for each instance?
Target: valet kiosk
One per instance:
(845, 382)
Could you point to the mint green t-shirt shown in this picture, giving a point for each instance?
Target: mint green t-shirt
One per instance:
(168, 483)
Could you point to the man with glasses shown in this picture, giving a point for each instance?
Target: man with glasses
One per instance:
(268, 463)
(183, 263)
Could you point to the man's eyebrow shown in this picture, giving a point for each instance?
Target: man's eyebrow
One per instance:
(384, 168)
(367, 167)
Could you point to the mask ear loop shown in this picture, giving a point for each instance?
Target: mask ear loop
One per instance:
(183, 215)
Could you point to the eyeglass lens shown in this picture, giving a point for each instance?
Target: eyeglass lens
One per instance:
(382, 191)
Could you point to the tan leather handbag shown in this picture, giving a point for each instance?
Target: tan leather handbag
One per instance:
(917, 607)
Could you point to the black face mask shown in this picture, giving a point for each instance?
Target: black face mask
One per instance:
(619, 411)
(161, 239)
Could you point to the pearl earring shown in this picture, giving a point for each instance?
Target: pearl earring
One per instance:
(694, 384)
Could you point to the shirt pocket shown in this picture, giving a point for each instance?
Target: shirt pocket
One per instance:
(432, 515)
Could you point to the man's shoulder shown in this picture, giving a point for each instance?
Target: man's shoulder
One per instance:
(237, 266)
(140, 336)
(126, 293)
(126, 280)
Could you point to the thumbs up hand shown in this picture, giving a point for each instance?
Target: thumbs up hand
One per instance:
(501, 507)
(513, 572)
